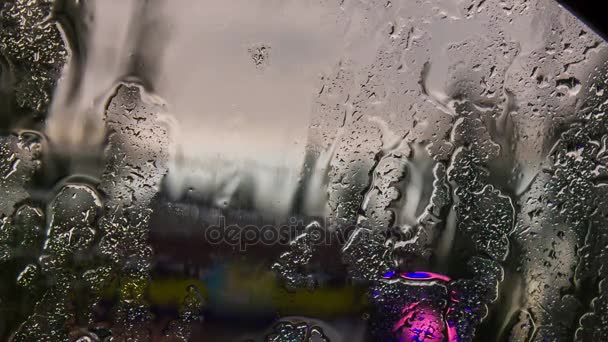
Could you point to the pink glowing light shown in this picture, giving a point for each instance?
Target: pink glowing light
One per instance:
(452, 334)
(420, 322)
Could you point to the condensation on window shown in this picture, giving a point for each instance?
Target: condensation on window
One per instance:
(295, 171)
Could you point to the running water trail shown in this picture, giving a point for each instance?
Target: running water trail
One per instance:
(98, 60)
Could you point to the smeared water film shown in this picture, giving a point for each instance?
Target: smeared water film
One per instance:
(298, 171)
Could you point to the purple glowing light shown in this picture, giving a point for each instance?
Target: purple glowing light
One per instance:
(389, 274)
(425, 276)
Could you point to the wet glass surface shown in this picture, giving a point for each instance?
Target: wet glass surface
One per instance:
(291, 171)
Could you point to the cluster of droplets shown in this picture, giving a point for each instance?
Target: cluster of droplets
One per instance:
(286, 331)
(91, 239)
(32, 45)
(516, 135)
(291, 266)
(563, 218)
